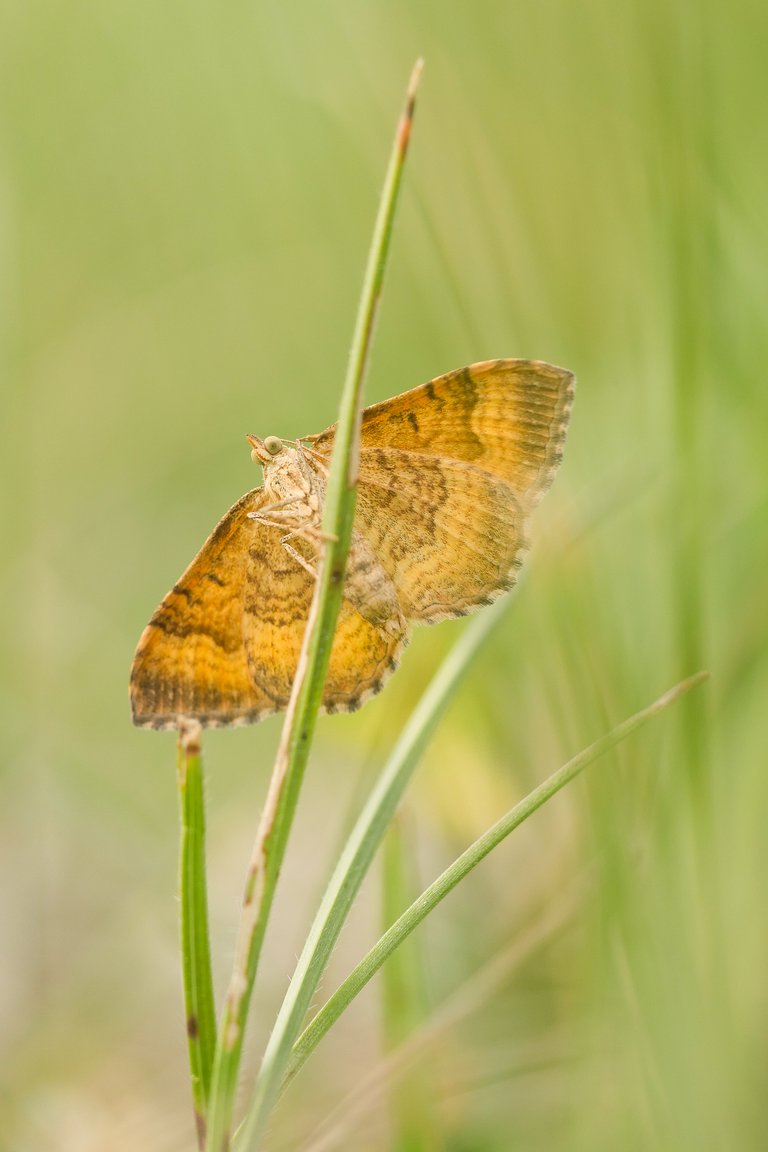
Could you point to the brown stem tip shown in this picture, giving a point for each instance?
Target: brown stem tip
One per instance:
(190, 736)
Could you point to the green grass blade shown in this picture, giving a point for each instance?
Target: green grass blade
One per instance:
(336, 1129)
(404, 1000)
(288, 772)
(195, 944)
(354, 862)
(469, 859)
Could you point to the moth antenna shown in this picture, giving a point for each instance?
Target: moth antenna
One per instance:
(305, 469)
(319, 456)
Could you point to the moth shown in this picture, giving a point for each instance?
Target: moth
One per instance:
(449, 475)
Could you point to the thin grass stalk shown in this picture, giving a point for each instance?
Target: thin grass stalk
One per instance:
(335, 1130)
(195, 942)
(469, 859)
(404, 1001)
(306, 695)
(353, 865)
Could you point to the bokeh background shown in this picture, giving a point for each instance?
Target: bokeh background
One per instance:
(186, 196)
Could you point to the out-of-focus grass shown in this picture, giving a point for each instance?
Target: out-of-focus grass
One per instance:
(186, 198)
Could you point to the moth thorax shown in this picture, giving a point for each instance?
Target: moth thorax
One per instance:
(285, 479)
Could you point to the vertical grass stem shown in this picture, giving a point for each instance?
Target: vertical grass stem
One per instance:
(306, 695)
(195, 945)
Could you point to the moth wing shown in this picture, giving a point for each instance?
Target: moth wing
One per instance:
(223, 645)
(190, 661)
(275, 609)
(450, 536)
(448, 474)
(507, 417)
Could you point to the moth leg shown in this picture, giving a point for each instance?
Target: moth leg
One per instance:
(297, 556)
(275, 515)
(278, 515)
(314, 533)
(308, 532)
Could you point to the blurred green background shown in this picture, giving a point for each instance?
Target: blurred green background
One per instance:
(187, 192)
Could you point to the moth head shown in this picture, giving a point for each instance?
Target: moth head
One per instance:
(264, 451)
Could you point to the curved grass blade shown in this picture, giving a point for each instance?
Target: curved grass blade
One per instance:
(464, 864)
(353, 865)
(337, 1128)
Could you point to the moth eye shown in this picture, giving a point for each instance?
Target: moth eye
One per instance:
(273, 445)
